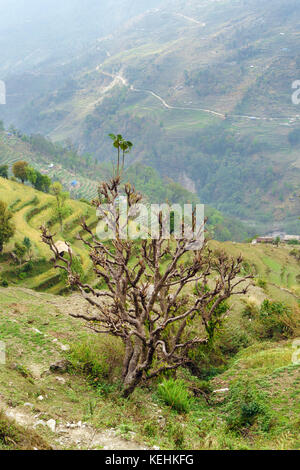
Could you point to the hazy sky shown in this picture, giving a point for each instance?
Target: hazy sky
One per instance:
(53, 27)
(16, 12)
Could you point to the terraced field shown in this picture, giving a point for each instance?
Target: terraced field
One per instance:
(13, 149)
(271, 265)
(32, 209)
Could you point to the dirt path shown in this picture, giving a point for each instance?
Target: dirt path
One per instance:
(193, 20)
(71, 435)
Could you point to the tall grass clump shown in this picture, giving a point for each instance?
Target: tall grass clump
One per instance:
(175, 394)
(273, 320)
(100, 359)
(277, 320)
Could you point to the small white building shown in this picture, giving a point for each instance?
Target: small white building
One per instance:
(62, 248)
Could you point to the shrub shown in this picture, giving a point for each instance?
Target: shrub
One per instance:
(207, 361)
(28, 267)
(234, 338)
(277, 320)
(295, 253)
(22, 276)
(175, 394)
(247, 407)
(251, 308)
(261, 283)
(3, 283)
(272, 319)
(99, 359)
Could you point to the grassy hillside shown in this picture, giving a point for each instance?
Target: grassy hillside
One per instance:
(274, 266)
(228, 387)
(31, 209)
(252, 394)
(203, 89)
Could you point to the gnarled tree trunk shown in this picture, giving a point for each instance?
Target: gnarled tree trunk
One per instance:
(146, 294)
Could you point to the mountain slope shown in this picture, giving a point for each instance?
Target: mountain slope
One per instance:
(204, 91)
(81, 175)
(32, 208)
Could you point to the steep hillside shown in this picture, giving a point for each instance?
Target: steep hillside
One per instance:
(57, 163)
(31, 209)
(203, 89)
(77, 404)
(81, 174)
(246, 388)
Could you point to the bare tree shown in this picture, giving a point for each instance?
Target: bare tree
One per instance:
(148, 302)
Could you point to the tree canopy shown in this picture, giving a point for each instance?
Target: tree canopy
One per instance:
(20, 171)
(7, 228)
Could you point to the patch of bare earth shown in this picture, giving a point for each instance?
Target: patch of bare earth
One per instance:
(70, 435)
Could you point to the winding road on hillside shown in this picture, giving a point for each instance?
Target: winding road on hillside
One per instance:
(121, 79)
(193, 20)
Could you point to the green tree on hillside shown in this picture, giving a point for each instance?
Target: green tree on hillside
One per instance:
(43, 182)
(61, 210)
(38, 181)
(7, 228)
(20, 171)
(4, 171)
(31, 175)
(19, 252)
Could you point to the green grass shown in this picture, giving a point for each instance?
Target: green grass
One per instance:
(175, 394)
(273, 265)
